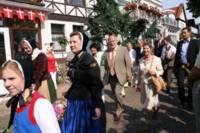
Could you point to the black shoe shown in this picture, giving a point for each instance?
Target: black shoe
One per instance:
(146, 129)
(190, 107)
(168, 91)
(183, 105)
(155, 111)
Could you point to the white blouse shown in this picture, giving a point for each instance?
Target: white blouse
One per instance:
(45, 116)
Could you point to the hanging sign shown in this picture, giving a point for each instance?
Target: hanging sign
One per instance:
(31, 15)
(41, 16)
(20, 14)
(8, 13)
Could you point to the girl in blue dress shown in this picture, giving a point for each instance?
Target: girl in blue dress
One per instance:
(30, 111)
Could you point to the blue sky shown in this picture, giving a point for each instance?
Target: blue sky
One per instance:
(173, 3)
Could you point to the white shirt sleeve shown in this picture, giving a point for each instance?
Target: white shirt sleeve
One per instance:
(45, 116)
(134, 55)
(173, 49)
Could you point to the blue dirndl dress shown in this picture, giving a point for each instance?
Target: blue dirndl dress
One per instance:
(78, 117)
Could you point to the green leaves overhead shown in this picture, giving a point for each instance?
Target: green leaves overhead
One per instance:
(108, 19)
(193, 6)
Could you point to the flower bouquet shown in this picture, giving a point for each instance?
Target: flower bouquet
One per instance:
(59, 107)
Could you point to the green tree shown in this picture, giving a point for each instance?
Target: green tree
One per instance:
(62, 41)
(193, 6)
(108, 19)
(151, 31)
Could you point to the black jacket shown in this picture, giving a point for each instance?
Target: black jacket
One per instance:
(192, 52)
(85, 75)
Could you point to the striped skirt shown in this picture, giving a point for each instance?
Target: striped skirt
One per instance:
(78, 118)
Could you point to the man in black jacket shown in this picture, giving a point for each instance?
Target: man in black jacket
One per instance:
(158, 45)
(187, 50)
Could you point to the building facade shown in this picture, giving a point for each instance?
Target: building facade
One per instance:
(68, 16)
(151, 10)
(19, 19)
(174, 19)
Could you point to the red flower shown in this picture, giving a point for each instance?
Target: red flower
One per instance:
(59, 108)
(130, 6)
(144, 7)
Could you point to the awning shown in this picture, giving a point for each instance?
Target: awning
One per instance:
(9, 8)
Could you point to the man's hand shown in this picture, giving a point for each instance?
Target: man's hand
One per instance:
(97, 113)
(194, 74)
(138, 88)
(152, 72)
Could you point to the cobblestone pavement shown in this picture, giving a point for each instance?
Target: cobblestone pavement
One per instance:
(170, 118)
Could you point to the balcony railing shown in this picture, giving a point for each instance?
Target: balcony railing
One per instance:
(169, 21)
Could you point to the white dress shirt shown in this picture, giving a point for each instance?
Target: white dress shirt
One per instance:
(132, 54)
(169, 53)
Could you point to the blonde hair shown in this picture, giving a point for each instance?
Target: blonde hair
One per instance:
(13, 65)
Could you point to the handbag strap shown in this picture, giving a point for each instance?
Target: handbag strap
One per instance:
(151, 63)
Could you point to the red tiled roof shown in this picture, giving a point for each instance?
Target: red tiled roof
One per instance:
(177, 10)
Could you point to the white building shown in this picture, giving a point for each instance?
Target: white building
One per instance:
(174, 19)
(148, 9)
(68, 16)
(19, 19)
(151, 10)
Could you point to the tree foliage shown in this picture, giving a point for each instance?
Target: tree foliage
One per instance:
(193, 6)
(151, 31)
(109, 20)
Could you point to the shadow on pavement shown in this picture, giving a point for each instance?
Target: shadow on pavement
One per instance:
(170, 118)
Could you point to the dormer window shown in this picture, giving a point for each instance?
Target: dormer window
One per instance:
(77, 2)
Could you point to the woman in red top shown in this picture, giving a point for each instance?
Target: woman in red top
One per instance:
(52, 65)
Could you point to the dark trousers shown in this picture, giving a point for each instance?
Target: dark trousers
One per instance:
(168, 73)
(116, 90)
(182, 75)
(103, 118)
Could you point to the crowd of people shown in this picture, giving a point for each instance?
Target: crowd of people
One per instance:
(30, 79)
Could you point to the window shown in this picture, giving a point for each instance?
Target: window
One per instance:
(77, 28)
(77, 2)
(57, 30)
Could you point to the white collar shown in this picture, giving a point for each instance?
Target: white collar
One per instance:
(35, 53)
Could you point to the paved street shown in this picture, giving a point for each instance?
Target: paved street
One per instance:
(170, 119)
